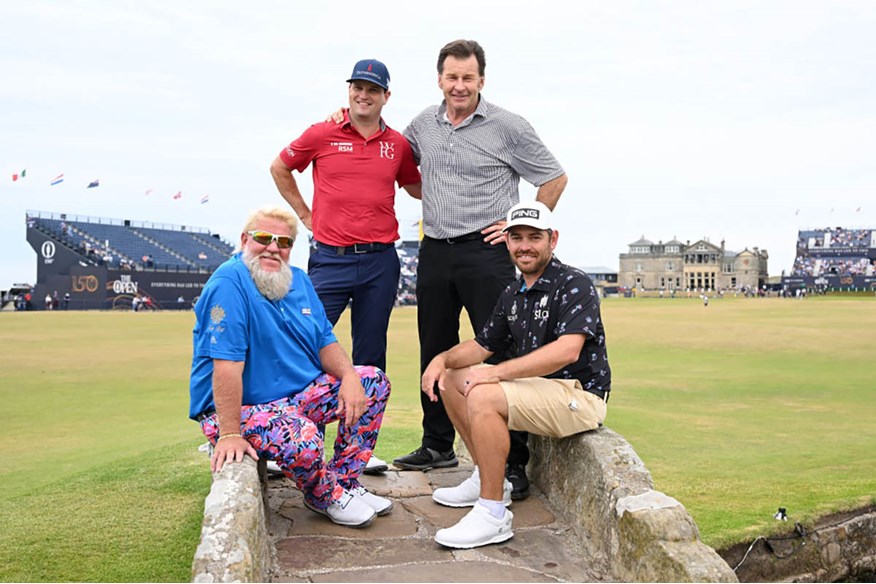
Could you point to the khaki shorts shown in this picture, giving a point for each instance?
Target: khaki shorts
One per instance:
(552, 407)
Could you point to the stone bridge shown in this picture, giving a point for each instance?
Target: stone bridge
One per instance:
(593, 516)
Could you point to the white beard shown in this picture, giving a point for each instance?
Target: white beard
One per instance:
(273, 285)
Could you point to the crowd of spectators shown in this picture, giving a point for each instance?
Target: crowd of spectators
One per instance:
(810, 266)
(821, 263)
(849, 238)
(836, 238)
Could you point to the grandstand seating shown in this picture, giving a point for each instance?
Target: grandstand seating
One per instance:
(165, 248)
(182, 242)
(132, 246)
(835, 251)
(62, 232)
(172, 248)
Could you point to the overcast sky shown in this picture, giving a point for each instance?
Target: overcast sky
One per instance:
(741, 121)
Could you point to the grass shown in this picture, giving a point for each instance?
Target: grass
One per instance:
(737, 409)
(748, 405)
(136, 520)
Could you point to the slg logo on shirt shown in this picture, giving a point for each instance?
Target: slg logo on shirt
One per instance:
(543, 311)
(343, 146)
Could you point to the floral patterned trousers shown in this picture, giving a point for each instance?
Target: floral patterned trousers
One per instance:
(288, 431)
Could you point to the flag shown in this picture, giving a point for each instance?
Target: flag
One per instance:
(148, 191)
(21, 174)
(205, 199)
(24, 173)
(58, 179)
(178, 195)
(94, 183)
(14, 177)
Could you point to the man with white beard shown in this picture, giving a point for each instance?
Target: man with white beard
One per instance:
(267, 370)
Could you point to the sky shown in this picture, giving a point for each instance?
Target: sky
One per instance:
(740, 121)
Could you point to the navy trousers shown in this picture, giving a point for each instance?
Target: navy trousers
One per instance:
(367, 281)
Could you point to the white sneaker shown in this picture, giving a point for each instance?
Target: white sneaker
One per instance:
(375, 466)
(477, 528)
(348, 510)
(467, 493)
(381, 505)
(273, 468)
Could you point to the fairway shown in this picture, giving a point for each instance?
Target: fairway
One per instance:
(737, 409)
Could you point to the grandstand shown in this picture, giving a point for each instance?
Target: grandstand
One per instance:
(106, 263)
(834, 258)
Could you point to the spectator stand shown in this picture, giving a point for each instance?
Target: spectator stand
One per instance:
(833, 258)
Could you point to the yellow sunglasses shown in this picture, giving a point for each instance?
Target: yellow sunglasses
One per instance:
(266, 237)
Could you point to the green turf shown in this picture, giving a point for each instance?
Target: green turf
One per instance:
(136, 520)
(737, 409)
(746, 406)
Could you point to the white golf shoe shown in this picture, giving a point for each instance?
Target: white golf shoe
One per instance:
(477, 528)
(381, 505)
(348, 510)
(375, 466)
(467, 493)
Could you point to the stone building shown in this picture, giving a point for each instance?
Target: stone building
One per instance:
(701, 265)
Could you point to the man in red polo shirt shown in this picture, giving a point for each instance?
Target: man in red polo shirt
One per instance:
(356, 165)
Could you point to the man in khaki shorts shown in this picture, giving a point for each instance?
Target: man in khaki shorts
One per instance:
(557, 384)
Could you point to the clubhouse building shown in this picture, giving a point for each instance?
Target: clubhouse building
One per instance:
(701, 265)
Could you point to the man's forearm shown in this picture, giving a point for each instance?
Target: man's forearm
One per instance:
(543, 361)
(228, 394)
(465, 354)
(335, 362)
(549, 193)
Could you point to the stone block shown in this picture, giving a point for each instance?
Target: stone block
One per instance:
(234, 542)
(597, 482)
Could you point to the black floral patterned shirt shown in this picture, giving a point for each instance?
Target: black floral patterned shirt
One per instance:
(562, 301)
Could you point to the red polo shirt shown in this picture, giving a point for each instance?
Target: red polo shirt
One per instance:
(353, 180)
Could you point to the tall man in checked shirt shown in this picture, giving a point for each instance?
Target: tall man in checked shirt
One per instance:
(472, 155)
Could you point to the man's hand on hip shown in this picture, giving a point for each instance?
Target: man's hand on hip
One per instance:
(493, 234)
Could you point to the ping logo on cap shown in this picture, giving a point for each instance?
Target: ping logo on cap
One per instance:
(527, 213)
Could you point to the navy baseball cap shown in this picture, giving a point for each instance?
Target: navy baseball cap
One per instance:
(371, 70)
